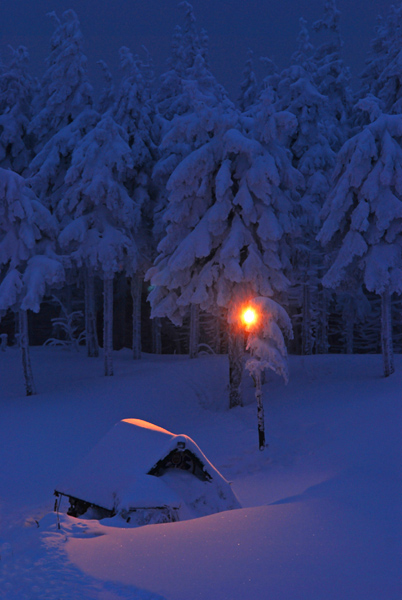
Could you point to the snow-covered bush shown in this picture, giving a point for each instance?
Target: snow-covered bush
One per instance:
(68, 327)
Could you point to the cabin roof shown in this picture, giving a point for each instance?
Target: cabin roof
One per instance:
(117, 467)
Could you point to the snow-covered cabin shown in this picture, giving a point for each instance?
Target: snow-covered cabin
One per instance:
(147, 475)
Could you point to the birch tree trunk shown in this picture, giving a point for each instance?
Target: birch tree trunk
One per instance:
(386, 334)
(156, 336)
(26, 359)
(260, 411)
(235, 354)
(136, 290)
(194, 330)
(108, 325)
(90, 315)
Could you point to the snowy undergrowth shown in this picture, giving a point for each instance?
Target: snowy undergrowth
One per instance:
(320, 516)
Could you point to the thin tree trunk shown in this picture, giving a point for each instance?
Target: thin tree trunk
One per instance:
(26, 359)
(194, 330)
(156, 336)
(348, 324)
(119, 311)
(235, 354)
(90, 315)
(108, 325)
(218, 335)
(260, 411)
(136, 290)
(322, 333)
(306, 321)
(68, 302)
(386, 334)
(349, 329)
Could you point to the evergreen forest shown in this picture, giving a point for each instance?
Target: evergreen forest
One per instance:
(145, 216)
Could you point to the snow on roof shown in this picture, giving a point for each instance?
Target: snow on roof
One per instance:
(117, 468)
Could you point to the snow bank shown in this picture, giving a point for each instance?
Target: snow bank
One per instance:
(322, 504)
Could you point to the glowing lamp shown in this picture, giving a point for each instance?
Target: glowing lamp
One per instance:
(249, 317)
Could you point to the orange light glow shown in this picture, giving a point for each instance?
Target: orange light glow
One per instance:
(249, 317)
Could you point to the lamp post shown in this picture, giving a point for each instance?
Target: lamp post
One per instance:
(251, 319)
(266, 322)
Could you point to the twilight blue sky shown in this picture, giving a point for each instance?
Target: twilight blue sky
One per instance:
(268, 27)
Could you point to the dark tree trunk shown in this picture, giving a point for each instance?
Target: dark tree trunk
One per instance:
(322, 325)
(156, 336)
(108, 325)
(260, 411)
(386, 334)
(235, 353)
(194, 330)
(26, 359)
(349, 325)
(119, 312)
(136, 291)
(218, 335)
(307, 343)
(90, 315)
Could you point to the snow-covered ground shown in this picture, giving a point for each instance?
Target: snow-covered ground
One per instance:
(321, 517)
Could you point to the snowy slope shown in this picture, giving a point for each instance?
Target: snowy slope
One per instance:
(321, 506)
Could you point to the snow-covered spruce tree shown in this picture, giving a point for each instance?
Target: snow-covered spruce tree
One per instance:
(382, 77)
(305, 49)
(363, 218)
(382, 49)
(134, 111)
(228, 221)
(272, 77)
(187, 134)
(28, 263)
(249, 86)
(65, 90)
(187, 85)
(63, 111)
(103, 213)
(16, 92)
(187, 82)
(188, 61)
(48, 171)
(267, 349)
(63, 115)
(313, 157)
(332, 77)
(107, 96)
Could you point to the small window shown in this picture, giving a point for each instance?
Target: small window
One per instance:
(181, 459)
